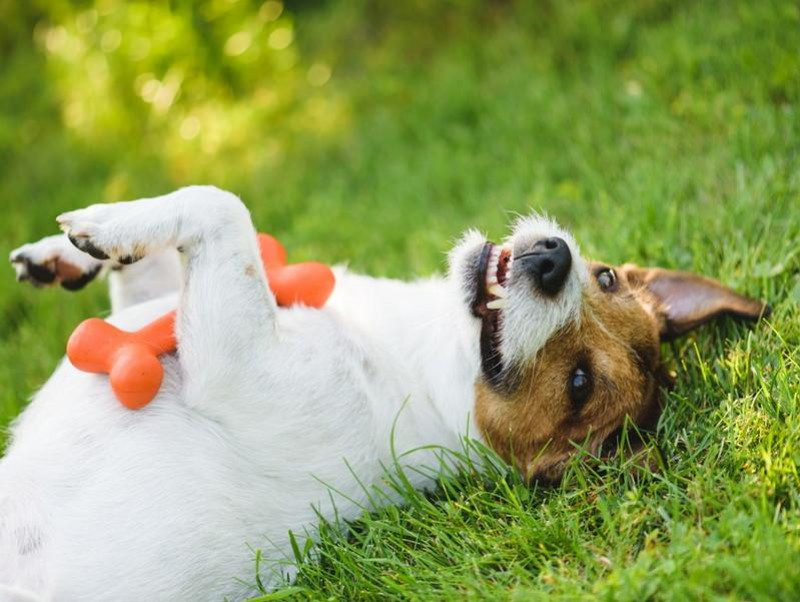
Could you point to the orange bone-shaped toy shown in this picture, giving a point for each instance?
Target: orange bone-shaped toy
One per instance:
(131, 358)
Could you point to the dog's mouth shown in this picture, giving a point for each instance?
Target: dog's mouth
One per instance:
(492, 273)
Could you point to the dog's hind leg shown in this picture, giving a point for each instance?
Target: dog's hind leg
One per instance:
(54, 261)
(226, 315)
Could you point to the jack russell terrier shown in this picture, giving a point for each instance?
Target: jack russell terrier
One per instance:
(267, 416)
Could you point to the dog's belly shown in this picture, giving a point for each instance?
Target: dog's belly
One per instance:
(99, 502)
(142, 507)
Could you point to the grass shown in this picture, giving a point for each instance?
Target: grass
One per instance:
(664, 133)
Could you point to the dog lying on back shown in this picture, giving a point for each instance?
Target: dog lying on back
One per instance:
(268, 415)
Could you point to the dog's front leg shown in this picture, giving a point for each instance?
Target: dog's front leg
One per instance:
(54, 261)
(226, 315)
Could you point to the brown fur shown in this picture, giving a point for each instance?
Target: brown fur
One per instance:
(535, 425)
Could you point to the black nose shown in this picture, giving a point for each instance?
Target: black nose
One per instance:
(548, 263)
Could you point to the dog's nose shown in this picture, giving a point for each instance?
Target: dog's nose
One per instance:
(548, 263)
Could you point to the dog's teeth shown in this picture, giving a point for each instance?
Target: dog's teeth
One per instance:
(498, 291)
(496, 304)
(509, 256)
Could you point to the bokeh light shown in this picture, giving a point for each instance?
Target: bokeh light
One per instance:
(176, 78)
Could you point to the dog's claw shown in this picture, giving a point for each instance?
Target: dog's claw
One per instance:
(21, 272)
(63, 220)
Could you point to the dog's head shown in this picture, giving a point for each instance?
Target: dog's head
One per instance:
(570, 349)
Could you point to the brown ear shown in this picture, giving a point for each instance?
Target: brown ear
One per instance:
(685, 301)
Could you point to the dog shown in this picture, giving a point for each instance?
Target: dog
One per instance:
(267, 416)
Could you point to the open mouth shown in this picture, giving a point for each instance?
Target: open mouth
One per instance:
(493, 269)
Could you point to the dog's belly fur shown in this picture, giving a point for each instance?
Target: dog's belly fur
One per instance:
(129, 505)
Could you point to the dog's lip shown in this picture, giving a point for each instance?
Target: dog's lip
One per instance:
(479, 309)
(489, 289)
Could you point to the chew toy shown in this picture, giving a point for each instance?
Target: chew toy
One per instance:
(309, 283)
(131, 358)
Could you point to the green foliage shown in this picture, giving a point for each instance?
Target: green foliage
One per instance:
(661, 132)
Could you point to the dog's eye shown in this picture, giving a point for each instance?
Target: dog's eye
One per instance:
(607, 279)
(580, 386)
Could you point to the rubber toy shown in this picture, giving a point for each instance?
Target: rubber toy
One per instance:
(131, 358)
(309, 283)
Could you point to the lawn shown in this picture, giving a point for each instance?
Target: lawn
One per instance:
(664, 133)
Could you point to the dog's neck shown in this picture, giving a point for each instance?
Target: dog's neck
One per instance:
(428, 331)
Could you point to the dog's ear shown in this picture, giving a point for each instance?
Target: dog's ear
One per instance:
(683, 301)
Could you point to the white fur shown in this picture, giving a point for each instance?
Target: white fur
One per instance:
(529, 325)
(264, 414)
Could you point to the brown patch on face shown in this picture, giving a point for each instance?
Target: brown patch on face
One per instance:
(616, 345)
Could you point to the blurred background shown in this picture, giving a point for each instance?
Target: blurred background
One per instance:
(374, 132)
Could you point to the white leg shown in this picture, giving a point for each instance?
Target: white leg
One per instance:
(54, 261)
(226, 317)
(154, 276)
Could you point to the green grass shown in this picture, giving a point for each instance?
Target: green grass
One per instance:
(659, 132)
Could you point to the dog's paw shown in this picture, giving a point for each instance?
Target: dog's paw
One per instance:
(53, 261)
(104, 232)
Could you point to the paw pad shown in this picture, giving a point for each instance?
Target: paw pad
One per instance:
(85, 244)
